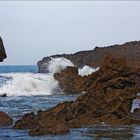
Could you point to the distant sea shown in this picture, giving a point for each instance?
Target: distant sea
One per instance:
(28, 91)
(18, 68)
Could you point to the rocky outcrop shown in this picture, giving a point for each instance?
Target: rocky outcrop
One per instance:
(2, 51)
(69, 80)
(130, 51)
(5, 120)
(109, 97)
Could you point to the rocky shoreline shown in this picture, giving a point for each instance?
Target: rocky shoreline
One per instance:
(107, 94)
(108, 99)
(129, 50)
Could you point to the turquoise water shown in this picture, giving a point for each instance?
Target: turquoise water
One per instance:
(16, 106)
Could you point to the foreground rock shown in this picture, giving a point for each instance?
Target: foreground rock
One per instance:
(69, 80)
(109, 97)
(130, 51)
(5, 120)
(2, 51)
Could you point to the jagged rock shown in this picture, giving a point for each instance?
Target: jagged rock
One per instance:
(130, 51)
(68, 79)
(5, 120)
(109, 97)
(2, 51)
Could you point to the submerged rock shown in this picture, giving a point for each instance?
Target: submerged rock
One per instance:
(110, 92)
(5, 120)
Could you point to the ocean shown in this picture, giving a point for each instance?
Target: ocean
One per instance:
(29, 91)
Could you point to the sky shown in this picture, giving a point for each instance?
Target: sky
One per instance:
(32, 30)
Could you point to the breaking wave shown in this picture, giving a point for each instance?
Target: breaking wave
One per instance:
(58, 64)
(86, 70)
(26, 84)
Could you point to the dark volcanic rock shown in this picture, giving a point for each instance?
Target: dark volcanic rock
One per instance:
(109, 97)
(2, 51)
(130, 51)
(5, 120)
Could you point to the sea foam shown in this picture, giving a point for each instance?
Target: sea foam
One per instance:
(86, 70)
(26, 84)
(58, 64)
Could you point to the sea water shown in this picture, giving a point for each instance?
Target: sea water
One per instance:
(29, 91)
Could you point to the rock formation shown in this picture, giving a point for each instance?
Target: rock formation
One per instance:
(2, 51)
(5, 120)
(109, 97)
(130, 51)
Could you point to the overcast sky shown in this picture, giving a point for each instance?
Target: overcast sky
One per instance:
(33, 29)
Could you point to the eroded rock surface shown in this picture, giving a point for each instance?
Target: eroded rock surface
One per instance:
(109, 97)
(130, 51)
(5, 120)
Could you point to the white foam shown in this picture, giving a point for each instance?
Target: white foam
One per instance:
(26, 84)
(86, 70)
(58, 64)
(29, 84)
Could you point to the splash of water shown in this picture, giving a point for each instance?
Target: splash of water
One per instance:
(26, 84)
(86, 70)
(58, 64)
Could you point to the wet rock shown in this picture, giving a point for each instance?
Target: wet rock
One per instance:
(5, 120)
(108, 99)
(52, 127)
(68, 79)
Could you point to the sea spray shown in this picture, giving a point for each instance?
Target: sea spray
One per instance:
(29, 84)
(58, 64)
(86, 70)
(26, 84)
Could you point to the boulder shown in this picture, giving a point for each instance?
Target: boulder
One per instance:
(68, 80)
(5, 120)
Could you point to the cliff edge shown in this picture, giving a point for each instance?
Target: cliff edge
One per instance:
(129, 50)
